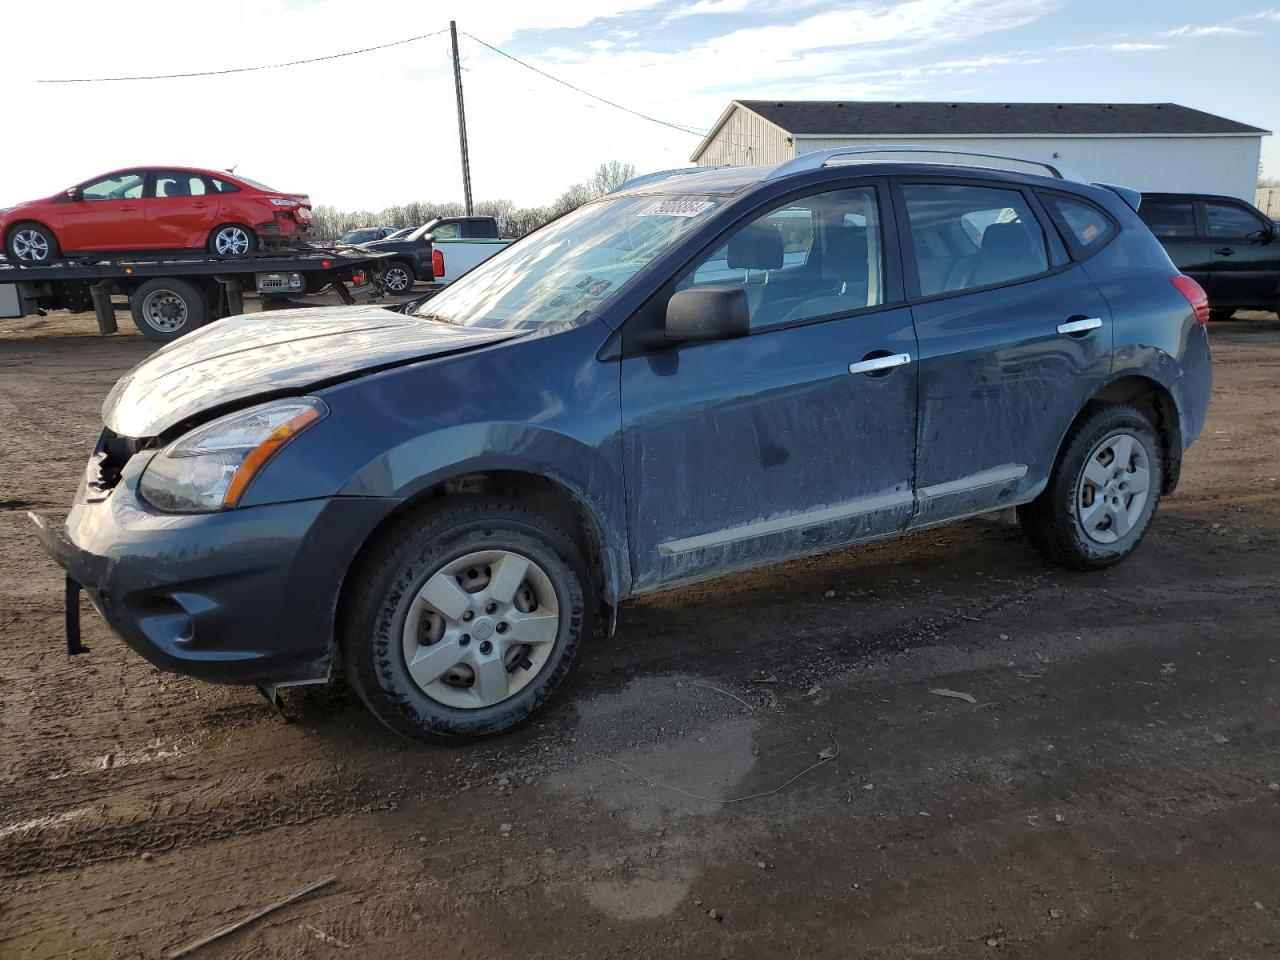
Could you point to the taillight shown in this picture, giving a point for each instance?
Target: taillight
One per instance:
(437, 263)
(1195, 295)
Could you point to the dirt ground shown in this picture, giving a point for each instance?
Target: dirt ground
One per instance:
(1112, 792)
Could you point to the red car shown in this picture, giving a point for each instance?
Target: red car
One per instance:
(155, 208)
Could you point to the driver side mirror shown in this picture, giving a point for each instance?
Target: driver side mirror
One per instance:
(73, 193)
(708, 313)
(1265, 235)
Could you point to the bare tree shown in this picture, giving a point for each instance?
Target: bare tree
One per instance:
(330, 222)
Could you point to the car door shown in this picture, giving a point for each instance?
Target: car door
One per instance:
(1014, 339)
(105, 215)
(1174, 222)
(181, 209)
(1246, 256)
(796, 437)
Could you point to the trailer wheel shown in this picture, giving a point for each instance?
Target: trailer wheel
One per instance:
(398, 277)
(166, 309)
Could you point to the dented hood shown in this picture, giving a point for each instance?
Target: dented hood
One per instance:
(275, 352)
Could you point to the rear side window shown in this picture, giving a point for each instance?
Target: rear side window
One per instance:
(179, 184)
(1228, 220)
(968, 236)
(1168, 218)
(1088, 225)
(221, 186)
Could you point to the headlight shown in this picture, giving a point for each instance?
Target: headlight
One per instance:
(211, 467)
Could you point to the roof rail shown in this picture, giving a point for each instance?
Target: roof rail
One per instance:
(819, 158)
(661, 175)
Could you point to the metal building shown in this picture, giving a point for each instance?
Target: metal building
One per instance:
(1149, 146)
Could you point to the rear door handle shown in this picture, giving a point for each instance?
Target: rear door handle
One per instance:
(1081, 325)
(129, 206)
(877, 364)
(1224, 252)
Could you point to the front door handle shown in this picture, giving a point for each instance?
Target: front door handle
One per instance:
(129, 207)
(881, 363)
(1080, 325)
(1224, 252)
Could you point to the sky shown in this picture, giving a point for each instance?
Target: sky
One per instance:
(367, 131)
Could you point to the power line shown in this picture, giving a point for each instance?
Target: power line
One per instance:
(586, 93)
(265, 66)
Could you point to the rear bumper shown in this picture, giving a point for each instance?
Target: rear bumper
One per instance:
(248, 596)
(284, 227)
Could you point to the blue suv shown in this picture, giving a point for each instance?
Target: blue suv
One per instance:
(703, 372)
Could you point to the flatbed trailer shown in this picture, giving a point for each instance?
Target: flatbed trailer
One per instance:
(170, 296)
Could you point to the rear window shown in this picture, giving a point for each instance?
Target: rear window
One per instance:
(969, 236)
(1168, 218)
(1088, 225)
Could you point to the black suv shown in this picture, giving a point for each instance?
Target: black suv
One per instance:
(1230, 247)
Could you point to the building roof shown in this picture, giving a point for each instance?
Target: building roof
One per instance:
(874, 118)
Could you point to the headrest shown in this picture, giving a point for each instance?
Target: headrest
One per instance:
(175, 188)
(846, 254)
(1006, 239)
(756, 247)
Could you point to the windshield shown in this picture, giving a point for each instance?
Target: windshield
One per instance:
(573, 264)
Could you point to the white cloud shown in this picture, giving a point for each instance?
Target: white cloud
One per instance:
(1273, 15)
(1212, 30)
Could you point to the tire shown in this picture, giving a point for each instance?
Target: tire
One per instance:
(462, 546)
(31, 244)
(1075, 522)
(232, 240)
(398, 277)
(166, 309)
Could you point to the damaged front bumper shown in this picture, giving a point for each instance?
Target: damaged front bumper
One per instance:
(245, 596)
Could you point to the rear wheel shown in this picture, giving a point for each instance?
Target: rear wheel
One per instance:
(1102, 493)
(464, 620)
(30, 245)
(165, 309)
(398, 277)
(232, 240)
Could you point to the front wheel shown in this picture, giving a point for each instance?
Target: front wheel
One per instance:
(464, 620)
(398, 277)
(1102, 493)
(31, 245)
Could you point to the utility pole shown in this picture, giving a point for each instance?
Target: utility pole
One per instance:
(462, 118)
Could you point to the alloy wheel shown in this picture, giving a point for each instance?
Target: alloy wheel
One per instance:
(1113, 488)
(231, 242)
(396, 279)
(481, 628)
(31, 246)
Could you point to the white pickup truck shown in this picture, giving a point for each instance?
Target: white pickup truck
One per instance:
(440, 250)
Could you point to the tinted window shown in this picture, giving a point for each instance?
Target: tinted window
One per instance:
(221, 186)
(1087, 224)
(813, 257)
(972, 236)
(1168, 218)
(123, 186)
(179, 184)
(1227, 220)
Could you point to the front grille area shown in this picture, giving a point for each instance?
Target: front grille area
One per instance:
(108, 460)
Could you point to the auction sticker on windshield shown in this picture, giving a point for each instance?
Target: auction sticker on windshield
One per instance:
(676, 208)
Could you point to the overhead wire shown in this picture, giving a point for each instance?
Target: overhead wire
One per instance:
(265, 66)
